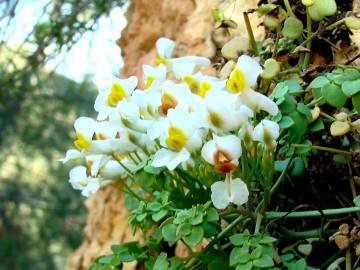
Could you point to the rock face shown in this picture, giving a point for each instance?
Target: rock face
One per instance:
(190, 24)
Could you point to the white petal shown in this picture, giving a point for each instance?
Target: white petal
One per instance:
(91, 188)
(86, 126)
(250, 67)
(208, 151)
(71, 154)
(266, 104)
(230, 144)
(239, 192)
(219, 195)
(165, 47)
(128, 84)
(178, 158)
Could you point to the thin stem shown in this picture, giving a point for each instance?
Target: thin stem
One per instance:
(312, 213)
(250, 34)
(281, 177)
(315, 101)
(328, 116)
(332, 26)
(322, 148)
(137, 156)
(348, 259)
(308, 44)
(133, 159)
(288, 8)
(123, 166)
(259, 218)
(130, 191)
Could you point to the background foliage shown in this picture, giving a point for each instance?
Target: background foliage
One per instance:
(41, 218)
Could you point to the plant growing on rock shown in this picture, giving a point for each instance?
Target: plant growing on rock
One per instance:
(222, 164)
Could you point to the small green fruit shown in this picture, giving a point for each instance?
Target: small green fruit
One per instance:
(293, 28)
(352, 23)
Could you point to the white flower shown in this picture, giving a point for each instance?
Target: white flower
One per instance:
(242, 79)
(201, 84)
(180, 135)
(101, 137)
(257, 101)
(153, 76)
(245, 74)
(80, 181)
(110, 97)
(230, 191)
(72, 154)
(267, 132)
(225, 113)
(181, 66)
(223, 152)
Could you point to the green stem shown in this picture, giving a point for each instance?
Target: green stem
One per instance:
(348, 259)
(288, 8)
(332, 26)
(250, 34)
(308, 44)
(328, 116)
(224, 232)
(259, 218)
(130, 191)
(312, 213)
(315, 101)
(322, 148)
(281, 177)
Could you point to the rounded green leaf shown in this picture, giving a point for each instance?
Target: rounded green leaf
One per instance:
(319, 82)
(293, 28)
(356, 102)
(264, 262)
(300, 126)
(333, 95)
(297, 167)
(350, 88)
(169, 233)
(197, 234)
(286, 122)
(246, 266)
(305, 249)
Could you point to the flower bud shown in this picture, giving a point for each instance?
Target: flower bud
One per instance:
(339, 128)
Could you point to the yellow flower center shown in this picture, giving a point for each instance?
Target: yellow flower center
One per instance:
(176, 139)
(149, 81)
(236, 83)
(80, 142)
(204, 88)
(160, 60)
(117, 93)
(192, 83)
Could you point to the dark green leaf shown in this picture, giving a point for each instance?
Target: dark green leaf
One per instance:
(286, 122)
(300, 126)
(333, 95)
(169, 232)
(293, 28)
(356, 102)
(317, 125)
(161, 262)
(301, 107)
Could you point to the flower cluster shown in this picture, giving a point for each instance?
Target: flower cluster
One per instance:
(190, 119)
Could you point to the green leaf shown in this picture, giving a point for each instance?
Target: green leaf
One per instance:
(317, 125)
(305, 249)
(281, 164)
(286, 122)
(153, 170)
(154, 206)
(288, 105)
(144, 180)
(287, 257)
(159, 215)
(293, 28)
(184, 229)
(300, 126)
(357, 201)
(333, 95)
(169, 232)
(239, 255)
(211, 214)
(301, 107)
(264, 262)
(351, 74)
(265, 8)
(294, 87)
(161, 262)
(350, 88)
(356, 102)
(198, 219)
(280, 90)
(267, 240)
(299, 265)
(195, 237)
(297, 167)
(246, 266)
(319, 82)
(256, 253)
(239, 239)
